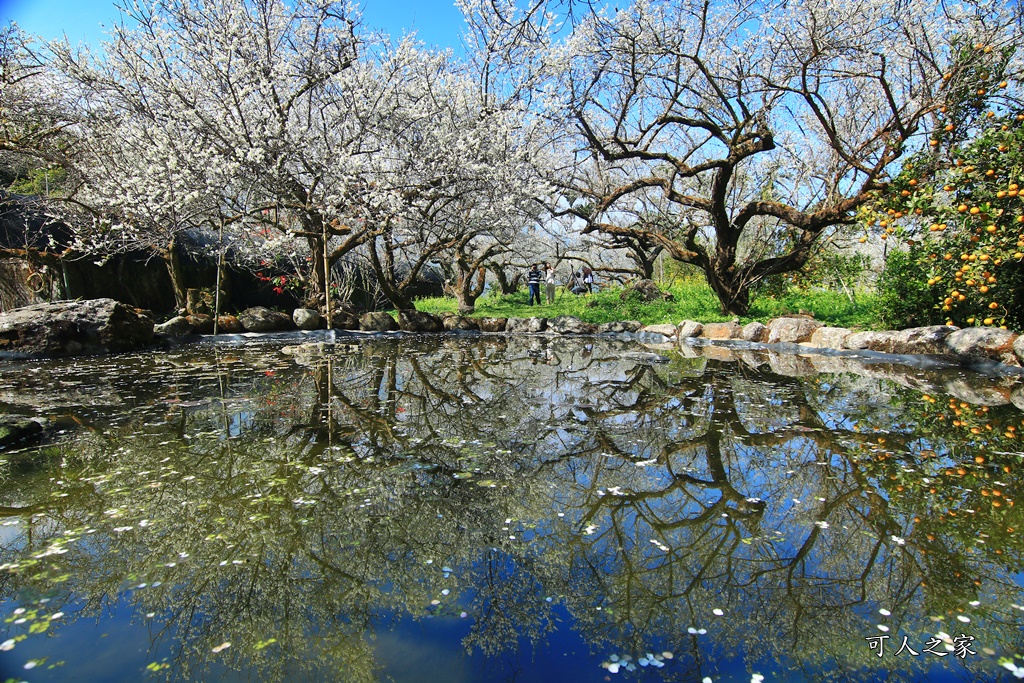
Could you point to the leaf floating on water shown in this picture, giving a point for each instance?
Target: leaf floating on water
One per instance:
(223, 646)
(463, 475)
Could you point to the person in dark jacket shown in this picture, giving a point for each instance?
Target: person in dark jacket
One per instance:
(533, 279)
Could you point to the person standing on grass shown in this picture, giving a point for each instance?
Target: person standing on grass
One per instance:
(588, 278)
(549, 279)
(533, 283)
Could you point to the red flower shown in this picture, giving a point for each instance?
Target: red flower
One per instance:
(278, 290)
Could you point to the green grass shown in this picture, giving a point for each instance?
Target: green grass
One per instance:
(694, 300)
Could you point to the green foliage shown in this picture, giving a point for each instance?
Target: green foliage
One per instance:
(905, 299)
(693, 299)
(959, 204)
(40, 181)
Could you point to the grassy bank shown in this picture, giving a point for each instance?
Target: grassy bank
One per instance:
(693, 300)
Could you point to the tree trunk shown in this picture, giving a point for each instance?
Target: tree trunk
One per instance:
(318, 281)
(173, 261)
(505, 284)
(468, 290)
(733, 293)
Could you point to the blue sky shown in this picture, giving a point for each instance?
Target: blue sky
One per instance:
(436, 22)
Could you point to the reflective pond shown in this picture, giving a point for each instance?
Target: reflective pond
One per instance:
(502, 508)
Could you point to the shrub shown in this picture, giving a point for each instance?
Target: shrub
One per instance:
(905, 299)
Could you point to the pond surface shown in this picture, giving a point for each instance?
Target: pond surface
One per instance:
(498, 509)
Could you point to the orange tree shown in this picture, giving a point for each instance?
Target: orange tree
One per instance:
(958, 207)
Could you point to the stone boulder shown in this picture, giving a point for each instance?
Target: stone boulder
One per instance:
(791, 330)
(75, 328)
(229, 324)
(829, 337)
(492, 324)
(178, 326)
(525, 325)
(690, 328)
(647, 291)
(344, 320)
(1018, 348)
(260, 319)
(201, 323)
(919, 340)
(730, 330)
(377, 321)
(619, 327)
(411, 320)
(871, 341)
(984, 343)
(669, 331)
(570, 324)
(753, 332)
(460, 322)
(306, 319)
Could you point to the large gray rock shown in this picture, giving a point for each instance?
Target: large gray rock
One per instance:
(74, 328)
(918, 340)
(201, 323)
(525, 325)
(872, 341)
(669, 331)
(984, 343)
(492, 324)
(1018, 348)
(411, 320)
(229, 324)
(791, 329)
(306, 319)
(459, 322)
(690, 328)
(753, 332)
(377, 321)
(730, 330)
(178, 326)
(829, 337)
(570, 324)
(260, 319)
(619, 327)
(344, 320)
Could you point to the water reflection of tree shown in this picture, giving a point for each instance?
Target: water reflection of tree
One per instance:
(333, 480)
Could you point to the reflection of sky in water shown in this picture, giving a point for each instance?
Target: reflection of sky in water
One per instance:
(585, 506)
